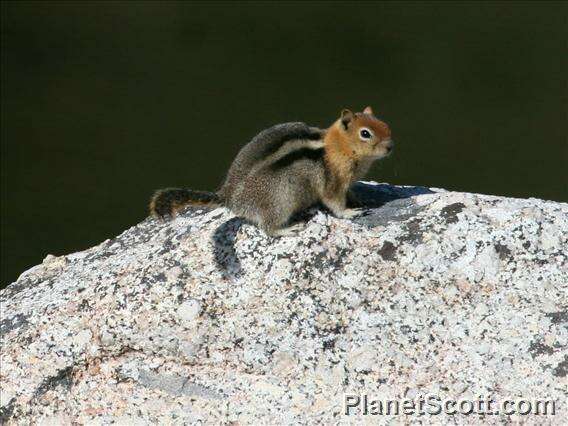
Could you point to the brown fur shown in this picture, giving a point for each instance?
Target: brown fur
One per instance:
(169, 201)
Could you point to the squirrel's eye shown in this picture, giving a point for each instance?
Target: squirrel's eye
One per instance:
(365, 134)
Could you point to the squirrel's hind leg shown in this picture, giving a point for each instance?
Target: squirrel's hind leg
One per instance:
(274, 222)
(289, 231)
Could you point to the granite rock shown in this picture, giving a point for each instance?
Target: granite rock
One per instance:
(204, 319)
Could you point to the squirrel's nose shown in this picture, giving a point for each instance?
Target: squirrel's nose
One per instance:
(389, 145)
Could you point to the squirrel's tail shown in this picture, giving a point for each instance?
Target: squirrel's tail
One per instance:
(166, 202)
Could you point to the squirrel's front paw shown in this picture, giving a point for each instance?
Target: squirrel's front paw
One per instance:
(350, 213)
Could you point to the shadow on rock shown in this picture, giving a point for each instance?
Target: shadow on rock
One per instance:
(224, 248)
(376, 195)
(387, 203)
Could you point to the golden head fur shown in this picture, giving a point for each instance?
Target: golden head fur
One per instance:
(354, 141)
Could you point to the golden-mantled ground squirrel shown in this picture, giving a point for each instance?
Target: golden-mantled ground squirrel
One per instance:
(290, 167)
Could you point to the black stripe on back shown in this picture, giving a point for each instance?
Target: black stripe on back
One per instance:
(276, 137)
(297, 155)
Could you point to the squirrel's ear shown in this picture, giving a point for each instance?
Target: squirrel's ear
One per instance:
(346, 117)
(368, 110)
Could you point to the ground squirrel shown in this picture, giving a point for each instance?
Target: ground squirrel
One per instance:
(290, 167)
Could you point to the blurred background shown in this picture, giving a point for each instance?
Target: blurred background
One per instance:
(104, 102)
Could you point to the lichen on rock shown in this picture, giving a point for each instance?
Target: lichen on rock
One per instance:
(204, 318)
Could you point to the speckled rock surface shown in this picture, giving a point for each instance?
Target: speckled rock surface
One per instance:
(203, 318)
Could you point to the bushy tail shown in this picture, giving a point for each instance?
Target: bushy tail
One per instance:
(167, 202)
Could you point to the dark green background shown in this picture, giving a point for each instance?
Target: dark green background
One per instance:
(104, 102)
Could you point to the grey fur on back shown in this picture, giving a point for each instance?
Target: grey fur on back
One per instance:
(279, 172)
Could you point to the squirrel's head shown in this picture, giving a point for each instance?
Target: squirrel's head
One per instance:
(365, 135)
